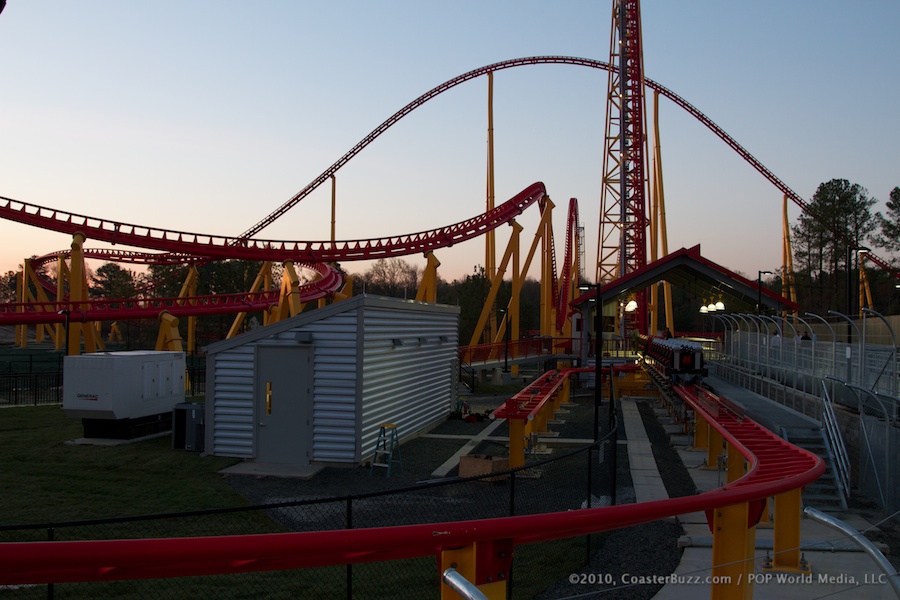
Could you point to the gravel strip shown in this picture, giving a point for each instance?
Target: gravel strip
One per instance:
(649, 549)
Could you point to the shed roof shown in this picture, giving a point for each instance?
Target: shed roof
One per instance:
(349, 305)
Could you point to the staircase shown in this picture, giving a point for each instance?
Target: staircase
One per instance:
(824, 493)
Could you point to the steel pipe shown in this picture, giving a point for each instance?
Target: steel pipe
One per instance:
(862, 541)
(461, 585)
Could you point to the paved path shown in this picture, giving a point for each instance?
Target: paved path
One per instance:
(838, 566)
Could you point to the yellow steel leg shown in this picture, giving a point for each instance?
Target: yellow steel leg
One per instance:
(168, 338)
(730, 552)
(461, 559)
(786, 545)
(540, 419)
(485, 564)
(564, 395)
(735, 464)
(714, 449)
(766, 519)
(701, 432)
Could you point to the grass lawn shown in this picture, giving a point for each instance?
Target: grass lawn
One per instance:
(44, 479)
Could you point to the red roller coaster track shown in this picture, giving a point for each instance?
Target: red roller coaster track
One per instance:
(775, 467)
(213, 247)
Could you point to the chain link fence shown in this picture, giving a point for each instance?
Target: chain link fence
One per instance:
(36, 378)
(861, 378)
(879, 433)
(570, 481)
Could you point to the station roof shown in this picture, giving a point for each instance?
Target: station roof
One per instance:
(688, 270)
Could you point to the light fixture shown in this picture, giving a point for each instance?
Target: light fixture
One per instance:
(631, 306)
(711, 307)
(703, 309)
(720, 305)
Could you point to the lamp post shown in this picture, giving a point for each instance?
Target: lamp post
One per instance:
(598, 360)
(759, 290)
(66, 312)
(851, 250)
(598, 353)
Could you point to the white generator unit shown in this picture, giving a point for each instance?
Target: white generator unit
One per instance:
(137, 389)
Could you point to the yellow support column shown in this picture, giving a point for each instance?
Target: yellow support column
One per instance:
(714, 449)
(701, 432)
(516, 443)
(483, 564)
(486, 311)
(729, 553)
(189, 289)
(786, 543)
(765, 519)
(346, 290)
(540, 419)
(289, 305)
(263, 281)
(563, 396)
(168, 338)
(427, 291)
(734, 464)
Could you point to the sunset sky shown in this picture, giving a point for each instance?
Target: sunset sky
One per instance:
(205, 116)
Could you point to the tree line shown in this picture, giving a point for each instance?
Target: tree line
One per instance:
(829, 244)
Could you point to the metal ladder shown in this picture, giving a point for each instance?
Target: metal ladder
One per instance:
(387, 443)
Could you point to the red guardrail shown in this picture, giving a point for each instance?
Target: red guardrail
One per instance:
(776, 467)
(514, 349)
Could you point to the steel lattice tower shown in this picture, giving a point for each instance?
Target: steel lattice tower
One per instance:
(622, 243)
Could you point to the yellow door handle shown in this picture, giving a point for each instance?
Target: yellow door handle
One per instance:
(268, 397)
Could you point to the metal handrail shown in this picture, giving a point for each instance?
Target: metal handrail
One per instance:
(461, 585)
(836, 443)
(868, 547)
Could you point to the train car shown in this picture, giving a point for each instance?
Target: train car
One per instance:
(673, 356)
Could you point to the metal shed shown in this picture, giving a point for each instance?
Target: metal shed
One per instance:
(314, 389)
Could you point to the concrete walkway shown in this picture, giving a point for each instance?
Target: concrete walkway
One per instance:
(838, 567)
(648, 484)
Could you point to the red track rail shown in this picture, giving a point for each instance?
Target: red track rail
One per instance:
(528, 402)
(32, 313)
(520, 62)
(203, 247)
(220, 247)
(775, 467)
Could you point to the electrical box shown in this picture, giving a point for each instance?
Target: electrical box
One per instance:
(122, 385)
(187, 427)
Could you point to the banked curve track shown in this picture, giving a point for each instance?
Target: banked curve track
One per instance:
(176, 245)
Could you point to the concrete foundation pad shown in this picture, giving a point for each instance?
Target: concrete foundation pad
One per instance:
(272, 470)
(115, 442)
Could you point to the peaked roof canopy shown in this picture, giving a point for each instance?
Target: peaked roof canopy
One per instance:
(689, 271)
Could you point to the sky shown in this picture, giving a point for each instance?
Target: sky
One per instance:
(206, 116)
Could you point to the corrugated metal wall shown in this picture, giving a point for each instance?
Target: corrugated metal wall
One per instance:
(410, 384)
(230, 388)
(335, 388)
(334, 391)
